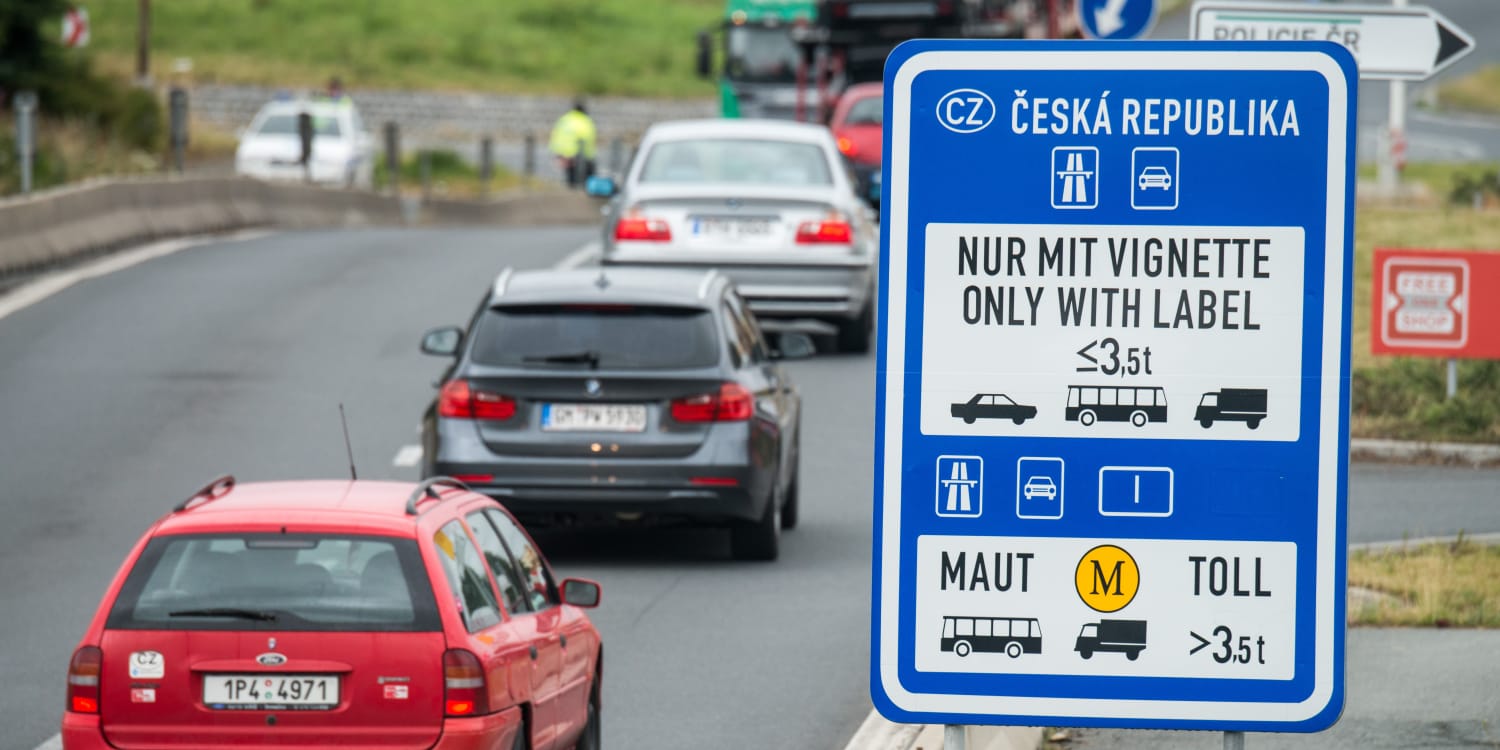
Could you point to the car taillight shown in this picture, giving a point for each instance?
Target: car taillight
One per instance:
(846, 146)
(832, 230)
(732, 403)
(464, 690)
(457, 399)
(642, 229)
(83, 680)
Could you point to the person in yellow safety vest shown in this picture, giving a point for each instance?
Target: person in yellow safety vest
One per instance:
(573, 132)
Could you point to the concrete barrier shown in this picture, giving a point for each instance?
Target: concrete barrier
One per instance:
(60, 225)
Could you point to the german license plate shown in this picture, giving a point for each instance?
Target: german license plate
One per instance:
(721, 227)
(280, 692)
(594, 417)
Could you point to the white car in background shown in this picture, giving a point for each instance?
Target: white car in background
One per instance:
(768, 202)
(343, 152)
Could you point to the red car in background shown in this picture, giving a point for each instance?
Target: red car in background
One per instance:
(856, 124)
(337, 613)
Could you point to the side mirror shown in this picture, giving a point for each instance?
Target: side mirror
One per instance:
(705, 54)
(580, 592)
(443, 342)
(794, 345)
(600, 187)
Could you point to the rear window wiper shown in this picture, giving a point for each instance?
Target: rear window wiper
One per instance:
(243, 614)
(587, 357)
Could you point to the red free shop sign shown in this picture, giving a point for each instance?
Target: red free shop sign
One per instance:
(1438, 303)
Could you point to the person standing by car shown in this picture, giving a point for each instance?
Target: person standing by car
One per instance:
(574, 142)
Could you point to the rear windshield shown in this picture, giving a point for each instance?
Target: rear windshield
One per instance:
(596, 337)
(741, 161)
(293, 582)
(287, 125)
(866, 111)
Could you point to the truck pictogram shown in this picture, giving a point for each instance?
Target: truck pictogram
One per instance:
(1246, 405)
(1123, 636)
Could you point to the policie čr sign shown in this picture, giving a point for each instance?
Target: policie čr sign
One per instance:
(1112, 393)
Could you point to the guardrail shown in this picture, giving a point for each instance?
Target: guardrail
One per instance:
(55, 226)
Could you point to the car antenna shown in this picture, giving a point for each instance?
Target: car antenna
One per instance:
(348, 446)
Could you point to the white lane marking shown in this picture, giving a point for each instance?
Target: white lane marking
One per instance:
(33, 292)
(55, 743)
(579, 257)
(409, 455)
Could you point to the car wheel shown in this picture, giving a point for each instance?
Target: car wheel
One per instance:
(1087, 418)
(1252, 424)
(961, 648)
(1138, 419)
(854, 335)
(1013, 650)
(1207, 423)
(593, 731)
(789, 507)
(1086, 654)
(521, 742)
(968, 420)
(1018, 420)
(758, 540)
(1132, 655)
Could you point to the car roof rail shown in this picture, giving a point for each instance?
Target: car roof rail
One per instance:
(428, 488)
(502, 281)
(210, 492)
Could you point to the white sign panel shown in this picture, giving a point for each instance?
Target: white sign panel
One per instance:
(1407, 43)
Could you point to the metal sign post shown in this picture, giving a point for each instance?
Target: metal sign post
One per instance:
(1112, 396)
(25, 103)
(177, 108)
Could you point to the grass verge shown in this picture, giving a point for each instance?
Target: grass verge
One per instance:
(1477, 92)
(624, 47)
(1405, 397)
(1434, 585)
(449, 174)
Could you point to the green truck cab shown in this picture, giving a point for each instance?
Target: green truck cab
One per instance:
(758, 75)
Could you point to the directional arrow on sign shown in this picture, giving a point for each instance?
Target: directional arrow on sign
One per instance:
(1395, 43)
(1202, 643)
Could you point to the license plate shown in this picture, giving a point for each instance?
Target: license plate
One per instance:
(280, 692)
(594, 417)
(732, 228)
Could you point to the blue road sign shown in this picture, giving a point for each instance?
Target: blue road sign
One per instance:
(1116, 19)
(1085, 246)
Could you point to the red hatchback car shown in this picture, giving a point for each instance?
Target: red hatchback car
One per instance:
(337, 613)
(856, 123)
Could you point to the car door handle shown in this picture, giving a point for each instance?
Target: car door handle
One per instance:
(533, 653)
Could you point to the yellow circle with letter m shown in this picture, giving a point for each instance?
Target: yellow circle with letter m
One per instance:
(1107, 578)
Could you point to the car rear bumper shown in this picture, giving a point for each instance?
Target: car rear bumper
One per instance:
(581, 497)
(81, 732)
(480, 732)
(826, 288)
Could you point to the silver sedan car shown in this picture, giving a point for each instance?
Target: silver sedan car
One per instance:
(770, 203)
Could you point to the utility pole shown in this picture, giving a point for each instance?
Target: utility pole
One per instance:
(143, 43)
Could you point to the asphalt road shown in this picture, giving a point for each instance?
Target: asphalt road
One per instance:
(120, 395)
(1431, 135)
(1448, 703)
